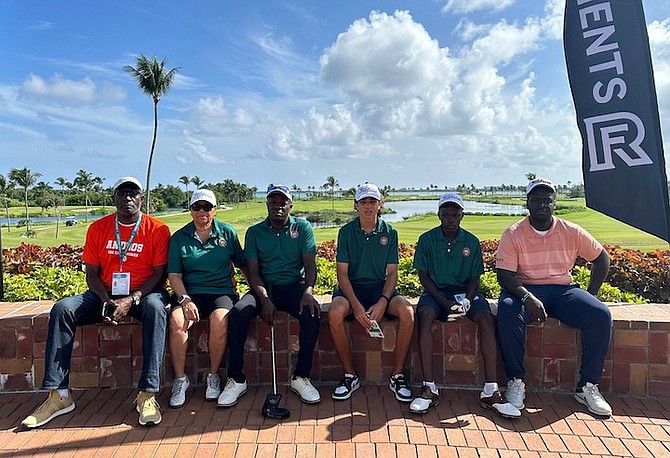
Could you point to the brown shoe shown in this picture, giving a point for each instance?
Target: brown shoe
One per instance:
(499, 404)
(425, 401)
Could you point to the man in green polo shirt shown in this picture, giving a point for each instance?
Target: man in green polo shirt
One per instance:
(449, 261)
(367, 275)
(280, 259)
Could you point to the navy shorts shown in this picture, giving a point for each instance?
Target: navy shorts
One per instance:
(478, 304)
(367, 295)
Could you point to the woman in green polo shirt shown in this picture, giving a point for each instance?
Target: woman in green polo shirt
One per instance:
(200, 269)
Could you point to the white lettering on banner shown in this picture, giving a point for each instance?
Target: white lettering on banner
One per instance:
(608, 134)
(603, 140)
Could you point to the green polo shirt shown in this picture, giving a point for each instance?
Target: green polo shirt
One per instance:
(279, 252)
(449, 262)
(206, 268)
(367, 253)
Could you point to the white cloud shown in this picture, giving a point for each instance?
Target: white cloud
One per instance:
(402, 83)
(198, 152)
(59, 90)
(469, 6)
(659, 40)
(210, 116)
(321, 135)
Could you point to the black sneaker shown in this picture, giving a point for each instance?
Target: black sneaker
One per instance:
(348, 385)
(400, 388)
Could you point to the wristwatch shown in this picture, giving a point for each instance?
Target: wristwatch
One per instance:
(183, 298)
(136, 296)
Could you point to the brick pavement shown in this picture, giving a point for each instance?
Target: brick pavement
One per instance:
(371, 424)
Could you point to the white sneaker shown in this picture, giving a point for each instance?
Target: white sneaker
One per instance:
(303, 387)
(213, 387)
(516, 393)
(178, 396)
(499, 404)
(594, 401)
(231, 393)
(426, 400)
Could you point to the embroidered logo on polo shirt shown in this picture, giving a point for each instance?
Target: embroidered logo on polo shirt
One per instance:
(294, 234)
(466, 251)
(222, 243)
(383, 241)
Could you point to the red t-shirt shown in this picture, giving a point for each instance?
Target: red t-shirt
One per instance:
(148, 250)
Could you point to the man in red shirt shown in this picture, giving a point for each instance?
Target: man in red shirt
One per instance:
(533, 264)
(125, 255)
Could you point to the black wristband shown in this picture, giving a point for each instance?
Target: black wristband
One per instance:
(388, 300)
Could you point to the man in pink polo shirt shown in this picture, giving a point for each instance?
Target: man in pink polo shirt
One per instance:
(533, 263)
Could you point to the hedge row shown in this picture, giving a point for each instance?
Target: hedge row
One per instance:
(36, 272)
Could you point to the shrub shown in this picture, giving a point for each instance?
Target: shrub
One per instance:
(634, 276)
(44, 283)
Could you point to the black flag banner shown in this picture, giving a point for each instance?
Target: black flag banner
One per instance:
(612, 82)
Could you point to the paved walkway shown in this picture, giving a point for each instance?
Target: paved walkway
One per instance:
(371, 424)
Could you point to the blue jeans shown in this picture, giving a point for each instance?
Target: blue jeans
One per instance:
(570, 305)
(86, 309)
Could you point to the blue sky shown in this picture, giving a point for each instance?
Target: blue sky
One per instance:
(405, 93)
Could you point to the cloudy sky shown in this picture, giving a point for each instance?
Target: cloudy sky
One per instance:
(405, 93)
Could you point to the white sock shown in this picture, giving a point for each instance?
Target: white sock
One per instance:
(431, 385)
(183, 377)
(64, 392)
(490, 388)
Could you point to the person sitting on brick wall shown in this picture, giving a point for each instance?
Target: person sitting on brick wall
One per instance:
(449, 261)
(533, 264)
(280, 259)
(201, 269)
(125, 255)
(367, 276)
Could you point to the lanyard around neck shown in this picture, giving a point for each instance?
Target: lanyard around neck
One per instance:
(123, 251)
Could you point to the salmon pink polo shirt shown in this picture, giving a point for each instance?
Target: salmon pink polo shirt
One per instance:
(545, 259)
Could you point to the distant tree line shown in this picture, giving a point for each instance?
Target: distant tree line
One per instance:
(23, 187)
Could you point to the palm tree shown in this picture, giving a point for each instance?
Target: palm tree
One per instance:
(85, 181)
(152, 79)
(331, 184)
(185, 180)
(5, 187)
(197, 182)
(24, 178)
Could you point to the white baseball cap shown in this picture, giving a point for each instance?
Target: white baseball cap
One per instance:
(203, 194)
(124, 180)
(540, 182)
(367, 190)
(280, 188)
(451, 197)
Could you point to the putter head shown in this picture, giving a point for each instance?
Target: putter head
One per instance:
(271, 407)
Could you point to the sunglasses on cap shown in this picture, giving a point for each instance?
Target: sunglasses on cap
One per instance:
(127, 192)
(206, 206)
(280, 188)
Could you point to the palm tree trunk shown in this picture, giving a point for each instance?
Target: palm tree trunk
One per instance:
(25, 198)
(151, 157)
(7, 212)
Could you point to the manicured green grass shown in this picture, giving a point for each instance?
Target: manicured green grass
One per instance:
(485, 227)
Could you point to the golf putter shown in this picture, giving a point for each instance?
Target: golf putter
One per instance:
(271, 407)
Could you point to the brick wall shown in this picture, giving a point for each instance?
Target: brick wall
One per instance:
(110, 356)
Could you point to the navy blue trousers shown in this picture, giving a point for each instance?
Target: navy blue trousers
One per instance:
(287, 299)
(570, 305)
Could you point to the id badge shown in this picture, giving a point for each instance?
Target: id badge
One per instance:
(120, 283)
